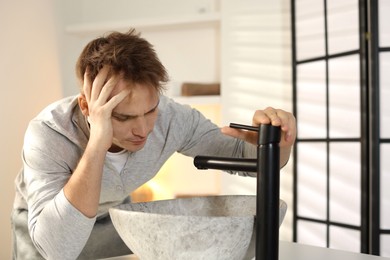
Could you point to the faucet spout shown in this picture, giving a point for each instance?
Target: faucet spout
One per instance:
(226, 164)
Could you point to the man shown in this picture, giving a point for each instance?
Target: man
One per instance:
(85, 154)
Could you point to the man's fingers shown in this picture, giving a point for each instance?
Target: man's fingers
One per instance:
(107, 89)
(115, 100)
(267, 116)
(99, 82)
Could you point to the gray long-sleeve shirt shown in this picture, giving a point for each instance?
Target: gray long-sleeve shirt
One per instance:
(54, 143)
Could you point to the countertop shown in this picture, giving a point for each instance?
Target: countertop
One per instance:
(291, 251)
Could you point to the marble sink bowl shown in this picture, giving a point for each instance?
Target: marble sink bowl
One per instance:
(212, 227)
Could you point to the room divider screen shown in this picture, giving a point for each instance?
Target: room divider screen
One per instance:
(340, 89)
(381, 50)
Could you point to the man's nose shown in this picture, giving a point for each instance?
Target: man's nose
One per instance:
(140, 127)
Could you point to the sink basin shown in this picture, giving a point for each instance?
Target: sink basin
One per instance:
(210, 227)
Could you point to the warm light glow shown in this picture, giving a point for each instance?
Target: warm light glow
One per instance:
(178, 177)
(160, 192)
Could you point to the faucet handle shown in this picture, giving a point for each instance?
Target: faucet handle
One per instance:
(268, 133)
(244, 127)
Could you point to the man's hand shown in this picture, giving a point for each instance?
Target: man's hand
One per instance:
(276, 117)
(100, 106)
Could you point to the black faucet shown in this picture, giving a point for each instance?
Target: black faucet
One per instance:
(267, 166)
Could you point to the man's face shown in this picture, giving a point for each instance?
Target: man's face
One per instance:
(134, 118)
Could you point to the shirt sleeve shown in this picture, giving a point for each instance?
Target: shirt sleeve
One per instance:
(203, 137)
(61, 231)
(58, 230)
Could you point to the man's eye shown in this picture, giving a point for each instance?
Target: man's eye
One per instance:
(120, 118)
(152, 111)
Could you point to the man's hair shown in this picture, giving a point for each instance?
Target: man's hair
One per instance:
(126, 53)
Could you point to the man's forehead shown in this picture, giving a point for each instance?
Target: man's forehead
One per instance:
(135, 110)
(141, 98)
(122, 84)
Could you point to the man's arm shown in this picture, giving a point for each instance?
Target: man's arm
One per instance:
(83, 188)
(64, 212)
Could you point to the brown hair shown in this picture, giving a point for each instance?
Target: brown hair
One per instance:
(125, 53)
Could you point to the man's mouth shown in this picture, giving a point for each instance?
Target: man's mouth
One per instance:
(138, 141)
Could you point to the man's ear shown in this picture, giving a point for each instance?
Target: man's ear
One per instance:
(83, 104)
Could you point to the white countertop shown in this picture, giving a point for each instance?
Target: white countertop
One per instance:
(289, 250)
(292, 251)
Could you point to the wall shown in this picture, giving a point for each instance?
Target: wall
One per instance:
(174, 44)
(256, 73)
(30, 75)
